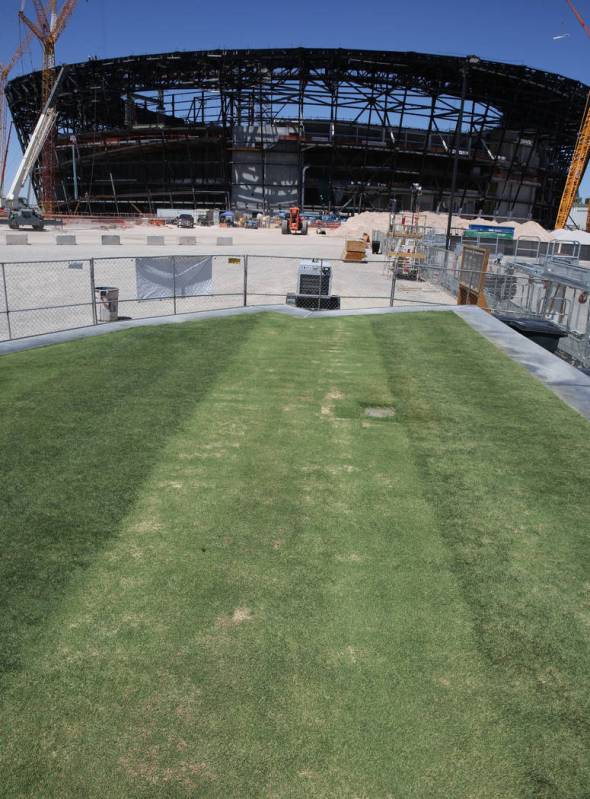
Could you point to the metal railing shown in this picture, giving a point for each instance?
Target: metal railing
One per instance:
(51, 296)
(43, 297)
(552, 286)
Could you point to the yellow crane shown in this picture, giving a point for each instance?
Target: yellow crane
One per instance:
(47, 28)
(580, 156)
(5, 70)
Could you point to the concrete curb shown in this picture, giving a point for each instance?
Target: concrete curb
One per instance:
(571, 385)
(13, 239)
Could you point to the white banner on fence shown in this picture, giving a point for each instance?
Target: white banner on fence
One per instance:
(158, 277)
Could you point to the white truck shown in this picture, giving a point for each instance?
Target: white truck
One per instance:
(19, 211)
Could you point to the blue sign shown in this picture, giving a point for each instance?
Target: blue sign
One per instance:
(489, 231)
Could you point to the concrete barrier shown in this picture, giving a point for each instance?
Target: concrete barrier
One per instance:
(224, 241)
(155, 241)
(65, 238)
(189, 241)
(110, 239)
(17, 238)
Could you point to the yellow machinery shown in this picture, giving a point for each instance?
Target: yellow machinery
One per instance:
(580, 156)
(576, 171)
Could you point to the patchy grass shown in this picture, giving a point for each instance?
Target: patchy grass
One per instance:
(221, 577)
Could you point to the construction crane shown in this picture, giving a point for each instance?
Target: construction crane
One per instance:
(581, 153)
(47, 29)
(5, 70)
(19, 212)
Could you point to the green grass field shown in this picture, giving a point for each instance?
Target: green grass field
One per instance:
(221, 578)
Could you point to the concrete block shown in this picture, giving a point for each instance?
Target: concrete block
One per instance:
(224, 241)
(17, 238)
(65, 238)
(110, 239)
(156, 241)
(189, 241)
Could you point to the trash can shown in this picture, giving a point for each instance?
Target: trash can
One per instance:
(376, 239)
(106, 299)
(545, 334)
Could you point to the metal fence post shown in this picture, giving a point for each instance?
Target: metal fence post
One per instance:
(174, 282)
(320, 288)
(245, 280)
(93, 293)
(393, 282)
(6, 302)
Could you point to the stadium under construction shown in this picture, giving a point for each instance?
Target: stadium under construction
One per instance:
(326, 129)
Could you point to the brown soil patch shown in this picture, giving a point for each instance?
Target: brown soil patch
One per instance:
(345, 468)
(135, 551)
(176, 484)
(239, 616)
(350, 654)
(308, 774)
(327, 408)
(146, 767)
(147, 526)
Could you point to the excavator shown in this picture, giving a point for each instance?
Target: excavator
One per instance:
(20, 213)
(294, 223)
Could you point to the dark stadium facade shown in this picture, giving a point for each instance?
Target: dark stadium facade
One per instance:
(327, 129)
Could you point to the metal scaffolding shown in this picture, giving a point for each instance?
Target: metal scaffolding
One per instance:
(324, 128)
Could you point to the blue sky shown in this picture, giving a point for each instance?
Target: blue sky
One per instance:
(519, 31)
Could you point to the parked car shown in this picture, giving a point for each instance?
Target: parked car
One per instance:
(185, 220)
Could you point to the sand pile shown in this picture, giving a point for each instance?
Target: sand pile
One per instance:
(373, 220)
(439, 221)
(532, 230)
(571, 235)
(356, 225)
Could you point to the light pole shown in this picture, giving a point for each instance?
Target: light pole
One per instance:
(469, 61)
(392, 211)
(416, 192)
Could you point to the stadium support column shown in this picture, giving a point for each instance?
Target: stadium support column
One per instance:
(471, 59)
(304, 169)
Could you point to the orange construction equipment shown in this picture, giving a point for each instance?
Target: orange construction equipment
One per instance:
(581, 153)
(295, 223)
(48, 28)
(576, 170)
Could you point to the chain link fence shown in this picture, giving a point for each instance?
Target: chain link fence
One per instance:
(50, 296)
(40, 297)
(546, 283)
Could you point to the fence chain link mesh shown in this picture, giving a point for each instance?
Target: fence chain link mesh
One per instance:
(525, 278)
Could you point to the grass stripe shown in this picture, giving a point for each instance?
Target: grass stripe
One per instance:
(80, 428)
(298, 600)
(507, 465)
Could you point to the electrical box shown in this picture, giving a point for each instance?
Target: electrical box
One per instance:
(314, 279)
